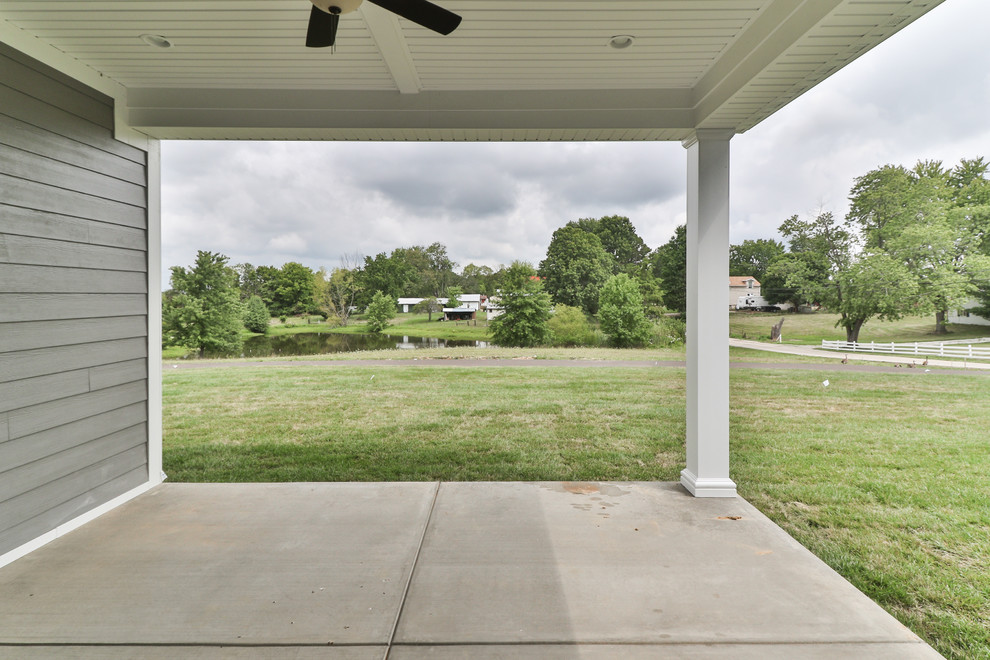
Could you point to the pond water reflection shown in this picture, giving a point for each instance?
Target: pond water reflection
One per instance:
(318, 343)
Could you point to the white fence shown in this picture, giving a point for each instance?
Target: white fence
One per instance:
(933, 349)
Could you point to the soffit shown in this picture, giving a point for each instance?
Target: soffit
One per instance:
(513, 70)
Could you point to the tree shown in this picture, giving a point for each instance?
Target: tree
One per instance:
(391, 275)
(380, 312)
(620, 312)
(428, 306)
(669, 264)
(249, 281)
(857, 286)
(970, 211)
(477, 279)
(943, 263)
(575, 268)
(753, 257)
(203, 310)
(932, 220)
(881, 203)
(619, 239)
(440, 274)
(336, 293)
(525, 309)
(256, 315)
(265, 278)
(454, 294)
(293, 290)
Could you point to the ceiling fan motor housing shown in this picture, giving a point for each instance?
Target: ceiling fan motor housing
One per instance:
(344, 6)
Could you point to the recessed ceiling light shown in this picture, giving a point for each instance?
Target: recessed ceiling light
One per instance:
(156, 40)
(621, 41)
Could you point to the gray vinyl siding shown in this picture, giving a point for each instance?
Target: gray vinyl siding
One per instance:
(73, 303)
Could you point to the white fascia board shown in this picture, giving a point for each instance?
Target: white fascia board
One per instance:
(45, 53)
(165, 112)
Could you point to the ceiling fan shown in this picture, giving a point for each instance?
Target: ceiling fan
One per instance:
(325, 16)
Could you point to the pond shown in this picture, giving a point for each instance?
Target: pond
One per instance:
(318, 343)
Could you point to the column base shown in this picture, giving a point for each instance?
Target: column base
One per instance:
(707, 487)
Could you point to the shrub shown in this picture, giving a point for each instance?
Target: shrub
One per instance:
(381, 310)
(256, 315)
(667, 331)
(620, 312)
(569, 327)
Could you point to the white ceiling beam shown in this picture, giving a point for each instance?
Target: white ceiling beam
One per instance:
(161, 111)
(776, 28)
(385, 30)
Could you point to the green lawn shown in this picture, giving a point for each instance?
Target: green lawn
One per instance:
(811, 329)
(885, 477)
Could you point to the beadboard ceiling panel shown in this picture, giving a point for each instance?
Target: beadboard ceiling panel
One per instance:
(513, 69)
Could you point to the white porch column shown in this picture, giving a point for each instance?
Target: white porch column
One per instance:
(707, 472)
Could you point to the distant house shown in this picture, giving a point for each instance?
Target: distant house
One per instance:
(742, 285)
(461, 313)
(473, 301)
(965, 317)
(406, 304)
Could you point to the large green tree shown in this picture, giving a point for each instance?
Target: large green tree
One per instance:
(881, 203)
(525, 308)
(856, 285)
(618, 237)
(933, 221)
(575, 268)
(292, 292)
(390, 274)
(753, 257)
(970, 190)
(203, 310)
(669, 264)
(439, 274)
(477, 279)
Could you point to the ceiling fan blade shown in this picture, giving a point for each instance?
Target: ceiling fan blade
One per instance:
(322, 31)
(424, 13)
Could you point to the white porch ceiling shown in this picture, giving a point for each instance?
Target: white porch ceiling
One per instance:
(513, 70)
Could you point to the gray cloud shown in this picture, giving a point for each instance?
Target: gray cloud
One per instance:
(921, 95)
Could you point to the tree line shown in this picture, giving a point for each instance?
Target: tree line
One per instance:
(209, 302)
(915, 241)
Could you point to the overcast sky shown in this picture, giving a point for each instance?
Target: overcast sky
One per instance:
(923, 94)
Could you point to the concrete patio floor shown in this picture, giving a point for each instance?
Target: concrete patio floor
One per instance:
(424, 570)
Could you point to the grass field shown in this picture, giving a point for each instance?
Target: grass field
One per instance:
(884, 477)
(804, 329)
(811, 329)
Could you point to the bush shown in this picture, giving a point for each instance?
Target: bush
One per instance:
(381, 310)
(256, 315)
(667, 331)
(569, 327)
(620, 312)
